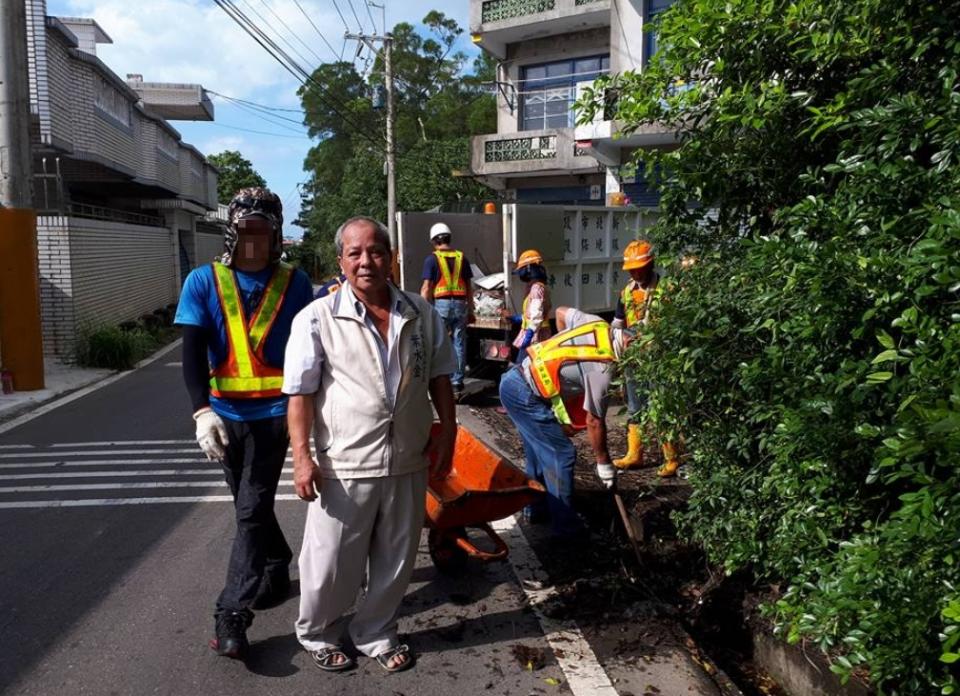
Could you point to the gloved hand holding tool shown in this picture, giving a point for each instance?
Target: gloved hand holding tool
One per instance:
(211, 434)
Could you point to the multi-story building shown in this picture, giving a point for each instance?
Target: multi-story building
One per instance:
(547, 51)
(121, 199)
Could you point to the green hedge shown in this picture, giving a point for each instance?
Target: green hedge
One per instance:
(115, 348)
(811, 356)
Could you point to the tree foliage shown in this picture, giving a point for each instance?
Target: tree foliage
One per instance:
(438, 105)
(811, 357)
(235, 172)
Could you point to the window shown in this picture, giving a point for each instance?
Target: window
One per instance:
(110, 101)
(548, 90)
(654, 8)
(167, 144)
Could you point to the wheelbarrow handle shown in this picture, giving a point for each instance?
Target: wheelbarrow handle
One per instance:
(486, 556)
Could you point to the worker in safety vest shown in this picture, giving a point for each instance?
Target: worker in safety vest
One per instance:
(533, 322)
(632, 314)
(330, 286)
(446, 285)
(236, 315)
(559, 387)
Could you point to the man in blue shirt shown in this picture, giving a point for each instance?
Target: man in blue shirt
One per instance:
(236, 315)
(446, 285)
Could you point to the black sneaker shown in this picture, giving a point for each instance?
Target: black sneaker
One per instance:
(231, 640)
(274, 590)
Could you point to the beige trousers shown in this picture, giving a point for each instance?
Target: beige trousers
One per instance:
(358, 525)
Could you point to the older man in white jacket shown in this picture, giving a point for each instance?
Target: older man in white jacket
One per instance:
(359, 367)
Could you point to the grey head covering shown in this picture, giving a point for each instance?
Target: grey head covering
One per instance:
(248, 202)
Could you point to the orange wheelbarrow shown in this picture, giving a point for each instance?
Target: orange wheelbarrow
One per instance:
(481, 487)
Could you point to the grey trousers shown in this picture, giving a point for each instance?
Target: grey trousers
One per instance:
(358, 525)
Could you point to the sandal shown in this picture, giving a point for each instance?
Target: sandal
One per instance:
(326, 660)
(384, 658)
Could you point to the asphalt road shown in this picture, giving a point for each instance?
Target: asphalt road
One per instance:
(115, 533)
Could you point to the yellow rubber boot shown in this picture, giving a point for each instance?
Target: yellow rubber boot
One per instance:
(670, 461)
(634, 457)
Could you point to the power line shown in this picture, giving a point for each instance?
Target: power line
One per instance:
(373, 24)
(297, 36)
(265, 22)
(289, 64)
(259, 132)
(269, 117)
(319, 33)
(250, 103)
(355, 16)
(342, 18)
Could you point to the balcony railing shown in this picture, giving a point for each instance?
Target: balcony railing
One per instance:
(518, 149)
(497, 10)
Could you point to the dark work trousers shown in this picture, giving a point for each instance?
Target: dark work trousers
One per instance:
(254, 460)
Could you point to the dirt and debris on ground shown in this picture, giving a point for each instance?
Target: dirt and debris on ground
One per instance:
(671, 588)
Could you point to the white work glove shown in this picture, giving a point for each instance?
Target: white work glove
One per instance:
(607, 474)
(211, 433)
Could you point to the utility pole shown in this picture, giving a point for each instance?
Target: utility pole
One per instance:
(370, 40)
(21, 340)
(15, 159)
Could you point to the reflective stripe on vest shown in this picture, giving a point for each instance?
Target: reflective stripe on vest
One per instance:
(244, 374)
(525, 322)
(451, 283)
(634, 302)
(548, 357)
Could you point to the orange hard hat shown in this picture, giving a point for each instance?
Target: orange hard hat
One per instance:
(637, 255)
(528, 258)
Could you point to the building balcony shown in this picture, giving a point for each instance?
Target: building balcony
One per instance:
(494, 24)
(549, 152)
(606, 141)
(174, 102)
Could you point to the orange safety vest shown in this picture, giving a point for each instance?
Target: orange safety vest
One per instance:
(451, 284)
(244, 374)
(549, 356)
(636, 302)
(525, 323)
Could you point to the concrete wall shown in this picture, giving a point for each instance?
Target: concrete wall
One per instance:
(209, 246)
(626, 35)
(96, 272)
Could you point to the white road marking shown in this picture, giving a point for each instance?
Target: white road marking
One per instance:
(123, 443)
(110, 474)
(113, 462)
(16, 446)
(103, 462)
(112, 486)
(80, 393)
(107, 502)
(94, 453)
(584, 673)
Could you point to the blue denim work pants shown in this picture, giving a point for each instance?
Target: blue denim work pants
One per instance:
(550, 454)
(636, 393)
(454, 315)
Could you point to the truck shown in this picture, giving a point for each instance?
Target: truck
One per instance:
(582, 247)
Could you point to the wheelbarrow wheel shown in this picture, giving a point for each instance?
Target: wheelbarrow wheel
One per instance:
(447, 556)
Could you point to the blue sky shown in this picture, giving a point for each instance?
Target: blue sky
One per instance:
(194, 41)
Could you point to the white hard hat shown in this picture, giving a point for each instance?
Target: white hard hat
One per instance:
(438, 229)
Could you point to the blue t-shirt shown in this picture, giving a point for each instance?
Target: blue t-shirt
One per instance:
(200, 306)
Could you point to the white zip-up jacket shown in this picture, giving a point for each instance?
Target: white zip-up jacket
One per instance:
(357, 434)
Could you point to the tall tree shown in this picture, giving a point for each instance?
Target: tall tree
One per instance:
(234, 172)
